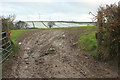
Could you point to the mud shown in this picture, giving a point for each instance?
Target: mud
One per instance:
(55, 53)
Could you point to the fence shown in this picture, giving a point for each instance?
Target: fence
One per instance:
(5, 47)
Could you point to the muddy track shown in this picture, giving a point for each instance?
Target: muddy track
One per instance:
(55, 53)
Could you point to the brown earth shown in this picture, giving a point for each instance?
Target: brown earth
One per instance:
(55, 53)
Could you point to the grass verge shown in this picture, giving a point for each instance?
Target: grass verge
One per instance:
(16, 34)
(88, 42)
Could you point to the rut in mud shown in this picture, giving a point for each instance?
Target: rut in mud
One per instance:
(55, 53)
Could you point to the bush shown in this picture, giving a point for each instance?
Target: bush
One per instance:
(108, 34)
(7, 22)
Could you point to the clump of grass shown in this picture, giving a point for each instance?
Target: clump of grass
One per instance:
(15, 34)
(88, 41)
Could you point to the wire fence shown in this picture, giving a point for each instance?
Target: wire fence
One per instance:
(5, 47)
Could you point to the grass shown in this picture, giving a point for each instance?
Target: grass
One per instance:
(72, 27)
(81, 27)
(88, 42)
(16, 34)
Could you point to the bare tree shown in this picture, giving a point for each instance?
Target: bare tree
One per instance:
(7, 22)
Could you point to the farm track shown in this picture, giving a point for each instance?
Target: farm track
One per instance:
(55, 53)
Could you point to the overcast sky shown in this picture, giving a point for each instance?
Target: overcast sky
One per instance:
(70, 10)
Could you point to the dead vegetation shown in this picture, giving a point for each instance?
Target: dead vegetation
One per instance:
(108, 34)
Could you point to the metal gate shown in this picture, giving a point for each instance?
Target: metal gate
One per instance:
(5, 47)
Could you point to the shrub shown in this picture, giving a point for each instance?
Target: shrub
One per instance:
(7, 22)
(108, 34)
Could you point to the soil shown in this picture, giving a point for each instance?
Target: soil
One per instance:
(55, 53)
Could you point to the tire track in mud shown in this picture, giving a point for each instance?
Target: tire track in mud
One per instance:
(52, 54)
